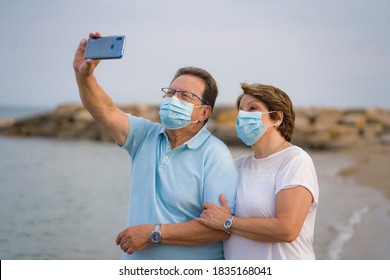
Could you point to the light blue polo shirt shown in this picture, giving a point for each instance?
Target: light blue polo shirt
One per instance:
(169, 186)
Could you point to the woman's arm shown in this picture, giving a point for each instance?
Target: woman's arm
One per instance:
(292, 206)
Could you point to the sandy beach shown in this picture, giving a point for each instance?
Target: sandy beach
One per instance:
(353, 220)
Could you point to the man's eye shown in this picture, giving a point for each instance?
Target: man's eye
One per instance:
(187, 95)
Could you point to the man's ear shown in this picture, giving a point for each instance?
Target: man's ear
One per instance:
(206, 112)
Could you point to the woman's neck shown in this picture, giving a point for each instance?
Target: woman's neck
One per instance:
(267, 146)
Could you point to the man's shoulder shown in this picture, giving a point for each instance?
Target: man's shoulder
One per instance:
(214, 140)
(141, 129)
(216, 147)
(140, 122)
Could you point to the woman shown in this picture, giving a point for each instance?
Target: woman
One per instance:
(277, 194)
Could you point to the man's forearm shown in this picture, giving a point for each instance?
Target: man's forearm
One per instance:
(102, 108)
(94, 99)
(190, 234)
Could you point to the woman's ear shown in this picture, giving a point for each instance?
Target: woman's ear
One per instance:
(280, 117)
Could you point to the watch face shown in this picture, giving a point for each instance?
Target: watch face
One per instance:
(155, 237)
(228, 224)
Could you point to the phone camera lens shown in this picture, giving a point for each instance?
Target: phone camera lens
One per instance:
(112, 46)
(119, 38)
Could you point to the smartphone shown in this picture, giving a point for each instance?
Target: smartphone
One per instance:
(109, 47)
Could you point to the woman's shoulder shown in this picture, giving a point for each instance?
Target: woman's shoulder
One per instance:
(296, 151)
(296, 156)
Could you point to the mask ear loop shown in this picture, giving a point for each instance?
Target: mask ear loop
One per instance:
(280, 121)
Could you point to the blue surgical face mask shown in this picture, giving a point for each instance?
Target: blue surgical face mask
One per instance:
(249, 126)
(176, 113)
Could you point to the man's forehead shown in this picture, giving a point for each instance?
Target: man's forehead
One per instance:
(188, 83)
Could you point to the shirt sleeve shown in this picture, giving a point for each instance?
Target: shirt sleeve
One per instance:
(298, 171)
(221, 178)
(139, 131)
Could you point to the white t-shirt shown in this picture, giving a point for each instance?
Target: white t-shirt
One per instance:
(259, 182)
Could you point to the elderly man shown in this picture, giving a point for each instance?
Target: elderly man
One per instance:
(176, 166)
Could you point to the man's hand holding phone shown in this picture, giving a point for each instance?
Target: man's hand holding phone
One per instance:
(84, 67)
(91, 51)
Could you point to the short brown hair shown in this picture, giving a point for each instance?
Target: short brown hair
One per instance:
(211, 90)
(275, 100)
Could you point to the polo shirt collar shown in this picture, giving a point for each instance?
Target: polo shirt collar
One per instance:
(198, 138)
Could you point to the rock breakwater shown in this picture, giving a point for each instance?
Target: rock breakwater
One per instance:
(315, 128)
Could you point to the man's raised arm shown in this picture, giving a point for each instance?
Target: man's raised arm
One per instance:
(94, 98)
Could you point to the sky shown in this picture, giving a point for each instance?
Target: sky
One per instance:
(333, 53)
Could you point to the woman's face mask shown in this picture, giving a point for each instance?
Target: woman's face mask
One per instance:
(249, 126)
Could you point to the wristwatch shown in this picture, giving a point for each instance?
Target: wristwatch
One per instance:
(155, 235)
(228, 224)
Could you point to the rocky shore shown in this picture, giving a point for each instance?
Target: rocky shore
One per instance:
(316, 128)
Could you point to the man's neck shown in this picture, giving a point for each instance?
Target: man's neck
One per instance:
(178, 137)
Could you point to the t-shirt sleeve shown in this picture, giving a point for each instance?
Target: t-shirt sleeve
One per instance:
(298, 171)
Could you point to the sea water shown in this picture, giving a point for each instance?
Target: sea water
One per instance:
(61, 199)
(67, 199)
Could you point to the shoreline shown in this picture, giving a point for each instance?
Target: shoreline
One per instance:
(353, 218)
(371, 167)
